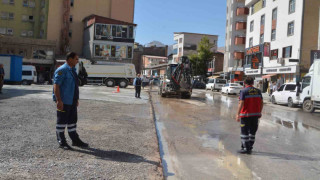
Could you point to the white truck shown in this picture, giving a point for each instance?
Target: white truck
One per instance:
(108, 73)
(309, 94)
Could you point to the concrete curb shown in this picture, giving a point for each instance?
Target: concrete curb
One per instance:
(153, 116)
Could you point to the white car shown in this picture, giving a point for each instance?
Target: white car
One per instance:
(231, 88)
(215, 84)
(286, 94)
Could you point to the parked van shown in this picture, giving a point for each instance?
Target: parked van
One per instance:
(215, 84)
(29, 75)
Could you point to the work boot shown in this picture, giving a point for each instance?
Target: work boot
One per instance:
(76, 141)
(65, 146)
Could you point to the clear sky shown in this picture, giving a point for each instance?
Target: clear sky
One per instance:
(158, 19)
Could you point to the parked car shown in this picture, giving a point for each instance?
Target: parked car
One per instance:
(215, 84)
(198, 85)
(286, 94)
(240, 82)
(231, 88)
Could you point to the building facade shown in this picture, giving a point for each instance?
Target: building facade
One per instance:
(215, 65)
(187, 43)
(24, 18)
(150, 65)
(66, 19)
(280, 38)
(236, 26)
(108, 39)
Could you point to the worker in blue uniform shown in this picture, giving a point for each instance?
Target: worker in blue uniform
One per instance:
(66, 96)
(137, 84)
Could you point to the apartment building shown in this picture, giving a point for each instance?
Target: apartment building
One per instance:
(187, 43)
(280, 38)
(66, 19)
(24, 18)
(236, 26)
(108, 39)
(153, 65)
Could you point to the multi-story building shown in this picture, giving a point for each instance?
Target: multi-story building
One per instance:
(280, 37)
(24, 18)
(66, 19)
(108, 39)
(187, 43)
(236, 26)
(150, 65)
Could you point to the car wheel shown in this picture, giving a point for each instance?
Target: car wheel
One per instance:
(290, 103)
(308, 106)
(123, 83)
(24, 82)
(273, 100)
(110, 83)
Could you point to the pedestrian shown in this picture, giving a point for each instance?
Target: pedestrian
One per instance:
(137, 84)
(274, 87)
(249, 112)
(271, 88)
(1, 77)
(66, 96)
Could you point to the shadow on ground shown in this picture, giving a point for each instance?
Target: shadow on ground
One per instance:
(114, 155)
(11, 93)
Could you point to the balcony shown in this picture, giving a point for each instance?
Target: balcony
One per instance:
(241, 25)
(238, 55)
(248, 3)
(240, 41)
(241, 11)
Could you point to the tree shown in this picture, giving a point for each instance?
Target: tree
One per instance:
(201, 60)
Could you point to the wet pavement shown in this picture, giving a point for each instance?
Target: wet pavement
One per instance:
(199, 139)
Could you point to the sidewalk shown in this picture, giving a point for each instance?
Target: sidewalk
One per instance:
(266, 98)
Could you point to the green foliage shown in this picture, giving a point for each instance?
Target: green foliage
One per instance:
(200, 60)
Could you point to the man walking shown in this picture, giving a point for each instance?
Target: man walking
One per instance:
(137, 84)
(66, 95)
(249, 112)
(1, 77)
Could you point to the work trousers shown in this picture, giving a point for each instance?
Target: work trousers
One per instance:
(1, 82)
(138, 90)
(249, 127)
(68, 117)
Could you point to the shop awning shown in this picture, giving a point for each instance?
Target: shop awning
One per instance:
(268, 76)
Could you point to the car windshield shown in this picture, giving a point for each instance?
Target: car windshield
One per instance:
(221, 81)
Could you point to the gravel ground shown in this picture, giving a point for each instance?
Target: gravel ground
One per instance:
(122, 138)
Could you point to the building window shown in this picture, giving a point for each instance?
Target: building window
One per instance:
(274, 14)
(3, 30)
(290, 28)
(32, 4)
(41, 33)
(5, 1)
(274, 54)
(180, 40)
(30, 33)
(261, 38)
(273, 35)
(25, 18)
(70, 33)
(114, 31)
(124, 31)
(41, 18)
(71, 3)
(24, 33)
(263, 3)
(252, 9)
(129, 52)
(70, 18)
(251, 26)
(119, 31)
(292, 6)
(180, 50)
(286, 52)
(31, 18)
(9, 31)
(11, 16)
(227, 23)
(131, 36)
(43, 3)
(4, 15)
(262, 20)
(250, 42)
(25, 3)
(11, 2)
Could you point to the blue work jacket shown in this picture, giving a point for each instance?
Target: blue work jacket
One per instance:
(64, 78)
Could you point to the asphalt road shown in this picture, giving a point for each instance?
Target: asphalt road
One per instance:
(117, 126)
(199, 139)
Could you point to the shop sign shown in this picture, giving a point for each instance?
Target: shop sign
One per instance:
(253, 50)
(255, 62)
(280, 70)
(252, 71)
(274, 54)
(315, 54)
